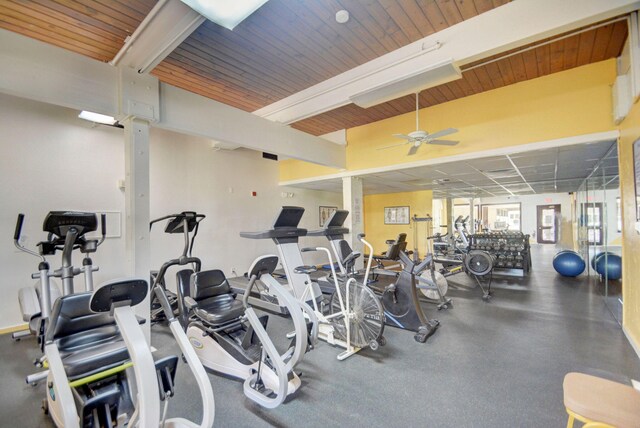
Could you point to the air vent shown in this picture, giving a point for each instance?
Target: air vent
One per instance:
(270, 156)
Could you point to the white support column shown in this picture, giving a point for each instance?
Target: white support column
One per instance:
(450, 217)
(472, 217)
(137, 206)
(353, 201)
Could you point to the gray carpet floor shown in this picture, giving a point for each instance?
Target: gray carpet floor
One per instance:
(496, 364)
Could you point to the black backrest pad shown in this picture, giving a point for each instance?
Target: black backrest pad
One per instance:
(132, 291)
(344, 249)
(402, 237)
(209, 283)
(72, 314)
(263, 265)
(183, 283)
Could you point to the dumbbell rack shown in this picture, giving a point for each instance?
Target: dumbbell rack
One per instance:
(510, 249)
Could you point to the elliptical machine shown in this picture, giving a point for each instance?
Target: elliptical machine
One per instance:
(66, 232)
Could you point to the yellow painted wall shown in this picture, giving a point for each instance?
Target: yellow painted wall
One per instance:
(629, 132)
(565, 104)
(291, 169)
(377, 232)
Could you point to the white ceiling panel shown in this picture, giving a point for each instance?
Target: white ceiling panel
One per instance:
(469, 178)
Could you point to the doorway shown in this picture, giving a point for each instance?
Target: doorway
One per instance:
(548, 224)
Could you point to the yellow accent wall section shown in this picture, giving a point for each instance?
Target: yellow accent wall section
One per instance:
(570, 103)
(629, 132)
(291, 169)
(377, 232)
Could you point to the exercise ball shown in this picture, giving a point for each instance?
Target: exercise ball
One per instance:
(594, 258)
(568, 263)
(611, 263)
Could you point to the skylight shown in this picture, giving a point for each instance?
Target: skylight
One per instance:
(227, 13)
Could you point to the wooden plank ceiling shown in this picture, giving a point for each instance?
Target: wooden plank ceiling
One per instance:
(581, 49)
(289, 45)
(96, 29)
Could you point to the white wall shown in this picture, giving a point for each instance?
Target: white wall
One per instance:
(528, 204)
(51, 160)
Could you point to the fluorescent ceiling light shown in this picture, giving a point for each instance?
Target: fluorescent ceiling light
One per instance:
(98, 118)
(415, 80)
(227, 13)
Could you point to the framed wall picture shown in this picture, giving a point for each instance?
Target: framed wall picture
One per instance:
(396, 215)
(325, 214)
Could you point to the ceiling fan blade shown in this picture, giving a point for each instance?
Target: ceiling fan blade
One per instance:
(413, 150)
(391, 146)
(443, 142)
(443, 133)
(406, 137)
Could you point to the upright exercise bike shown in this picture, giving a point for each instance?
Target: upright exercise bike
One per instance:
(400, 299)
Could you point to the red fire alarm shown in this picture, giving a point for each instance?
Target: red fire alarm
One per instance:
(254, 193)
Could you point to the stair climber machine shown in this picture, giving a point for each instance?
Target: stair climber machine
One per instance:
(230, 338)
(101, 369)
(187, 224)
(226, 334)
(399, 300)
(356, 319)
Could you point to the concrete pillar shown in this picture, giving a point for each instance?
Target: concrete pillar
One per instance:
(138, 248)
(353, 201)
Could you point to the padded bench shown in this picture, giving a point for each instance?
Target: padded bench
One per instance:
(600, 402)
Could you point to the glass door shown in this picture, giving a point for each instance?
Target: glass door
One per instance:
(548, 223)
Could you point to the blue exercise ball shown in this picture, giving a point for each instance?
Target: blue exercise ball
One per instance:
(568, 263)
(594, 258)
(612, 264)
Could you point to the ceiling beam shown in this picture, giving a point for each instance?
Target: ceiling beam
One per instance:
(501, 29)
(38, 71)
(168, 24)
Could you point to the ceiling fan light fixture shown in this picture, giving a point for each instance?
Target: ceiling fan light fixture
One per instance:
(226, 13)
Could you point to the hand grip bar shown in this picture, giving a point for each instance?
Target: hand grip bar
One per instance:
(16, 234)
(308, 249)
(361, 235)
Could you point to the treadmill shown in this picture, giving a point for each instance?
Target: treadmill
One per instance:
(285, 233)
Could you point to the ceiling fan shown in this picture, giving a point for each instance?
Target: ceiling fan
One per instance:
(419, 137)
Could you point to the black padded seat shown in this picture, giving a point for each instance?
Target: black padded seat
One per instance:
(95, 358)
(217, 304)
(88, 342)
